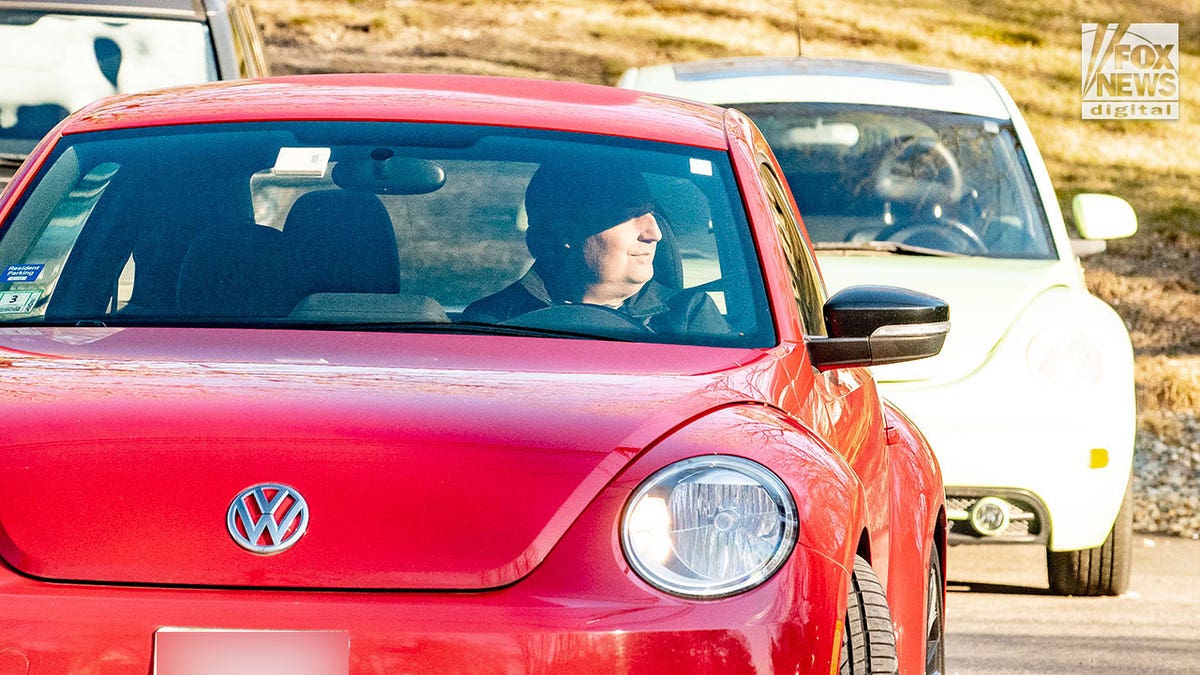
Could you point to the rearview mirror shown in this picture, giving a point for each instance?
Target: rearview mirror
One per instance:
(874, 325)
(821, 134)
(384, 173)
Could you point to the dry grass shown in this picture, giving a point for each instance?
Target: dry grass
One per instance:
(1171, 383)
(1153, 279)
(1168, 393)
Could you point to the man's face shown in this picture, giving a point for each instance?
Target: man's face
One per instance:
(624, 253)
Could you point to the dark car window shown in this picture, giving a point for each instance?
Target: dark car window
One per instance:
(807, 287)
(951, 182)
(336, 224)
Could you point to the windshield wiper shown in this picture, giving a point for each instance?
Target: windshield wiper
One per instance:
(885, 247)
(465, 327)
(461, 327)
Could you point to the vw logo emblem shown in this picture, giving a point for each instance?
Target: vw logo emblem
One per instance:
(267, 518)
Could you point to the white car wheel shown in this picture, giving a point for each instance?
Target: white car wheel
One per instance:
(1103, 570)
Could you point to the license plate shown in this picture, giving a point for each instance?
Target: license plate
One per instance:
(194, 651)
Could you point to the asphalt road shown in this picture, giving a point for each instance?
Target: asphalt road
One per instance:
(1001, 618)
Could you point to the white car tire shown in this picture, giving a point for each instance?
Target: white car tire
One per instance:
(1103, 570)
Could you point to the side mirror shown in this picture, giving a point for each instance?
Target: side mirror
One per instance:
(874, 325)
(1103, 216)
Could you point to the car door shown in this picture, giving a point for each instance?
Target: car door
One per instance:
(238, 43)
(853, 409)
(253, 62)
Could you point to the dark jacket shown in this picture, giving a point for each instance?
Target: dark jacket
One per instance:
(656, 306)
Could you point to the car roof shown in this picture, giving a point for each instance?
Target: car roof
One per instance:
(463, 99)
(770, 79)
(175, 9)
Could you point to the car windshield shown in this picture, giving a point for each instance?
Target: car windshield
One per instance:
(53, 64)
(914, 179)
(383, 226)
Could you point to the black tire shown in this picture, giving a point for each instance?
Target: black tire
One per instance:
(935, 617)
(869, 639)
(1103, 570)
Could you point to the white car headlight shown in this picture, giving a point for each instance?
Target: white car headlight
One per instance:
(709, 526)
(1064, 356)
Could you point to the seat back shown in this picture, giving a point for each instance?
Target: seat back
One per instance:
(668, 261)
(338, 241)
(234, 272)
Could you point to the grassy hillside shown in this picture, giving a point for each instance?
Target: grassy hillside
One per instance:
(1033, 46)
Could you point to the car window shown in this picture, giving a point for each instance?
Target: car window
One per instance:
(325, 225)
(53, 64)
(942, 181)
(807, 287)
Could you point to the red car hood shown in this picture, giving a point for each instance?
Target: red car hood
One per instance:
(426, 461)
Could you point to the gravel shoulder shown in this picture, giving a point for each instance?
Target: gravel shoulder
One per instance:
(1166, 480)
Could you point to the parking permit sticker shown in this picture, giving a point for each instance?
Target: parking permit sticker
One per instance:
(22, 273)
(18, 302)
(701, 167)
(308, 162)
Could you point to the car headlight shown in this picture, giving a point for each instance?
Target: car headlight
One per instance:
(1064, 356)
(709, 526)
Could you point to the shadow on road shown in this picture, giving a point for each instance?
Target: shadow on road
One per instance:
(1010, 623)
(1003, 589)
(985, 653)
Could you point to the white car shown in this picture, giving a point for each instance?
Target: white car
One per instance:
(930, 179)
(58, 55)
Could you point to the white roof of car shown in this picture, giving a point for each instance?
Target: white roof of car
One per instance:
(770, 80)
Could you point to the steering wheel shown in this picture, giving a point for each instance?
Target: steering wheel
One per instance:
(943, 235)
(583, 318)
(919, 170)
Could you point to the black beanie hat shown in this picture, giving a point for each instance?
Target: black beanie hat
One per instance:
(567, 203)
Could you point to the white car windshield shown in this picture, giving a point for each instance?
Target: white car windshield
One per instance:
(386, 226)
(864, 175)
(53, 64)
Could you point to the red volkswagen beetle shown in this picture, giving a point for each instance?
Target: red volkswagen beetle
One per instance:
(381, 374)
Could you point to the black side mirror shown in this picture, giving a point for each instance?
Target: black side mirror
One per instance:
(874, 325)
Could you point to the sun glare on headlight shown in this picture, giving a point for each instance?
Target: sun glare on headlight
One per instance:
(650, 529)
(709, 526)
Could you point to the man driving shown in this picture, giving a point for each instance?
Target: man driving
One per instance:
(594, 233)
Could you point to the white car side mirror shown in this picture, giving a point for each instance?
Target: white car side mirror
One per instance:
(1100, 216)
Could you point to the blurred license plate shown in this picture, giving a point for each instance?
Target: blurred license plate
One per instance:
(191, 651)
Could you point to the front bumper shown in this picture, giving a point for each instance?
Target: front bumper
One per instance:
(1066, 469)
(556, 620)
(992, 515)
